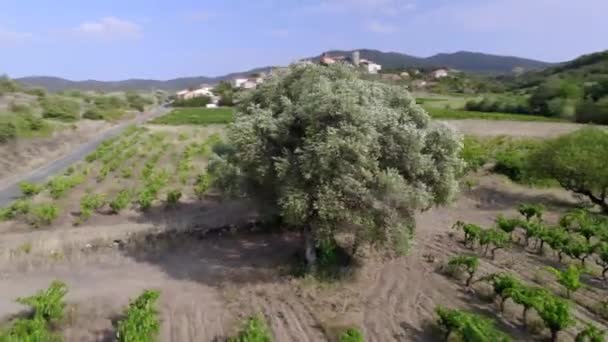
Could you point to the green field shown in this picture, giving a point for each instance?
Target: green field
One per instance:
(442, 113)
(197, 116)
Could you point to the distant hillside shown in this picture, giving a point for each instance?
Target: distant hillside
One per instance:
(57, 84)
(584, 69)
(465, 61)
(472, 62)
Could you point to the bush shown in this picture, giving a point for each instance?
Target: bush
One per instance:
(173, 197)
(466, 263)
(593, 112)
(121, 201)
(475, 153)
(43, 214)
(47, 308)
(202, 185)
(578, 162)
(93, 114)
(141, 322)
(60, 109)
(254, 330)
(60, 185)
(19, 207)
(90, 203)
(351, 335)
(468, 327)
(8, 130)
(146, 198)
(30, 189)
(48, 304)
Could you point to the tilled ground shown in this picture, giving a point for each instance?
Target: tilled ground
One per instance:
(209, 284)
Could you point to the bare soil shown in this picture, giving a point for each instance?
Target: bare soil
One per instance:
(210, 283)
(513, 128)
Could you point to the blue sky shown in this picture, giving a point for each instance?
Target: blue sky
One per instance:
(119, 39)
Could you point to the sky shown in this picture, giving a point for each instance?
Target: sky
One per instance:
(164, 39)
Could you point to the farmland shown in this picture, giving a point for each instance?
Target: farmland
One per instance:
(161, 214)
(196, 116)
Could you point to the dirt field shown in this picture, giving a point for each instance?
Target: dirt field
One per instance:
(513, 128)
(209, 284)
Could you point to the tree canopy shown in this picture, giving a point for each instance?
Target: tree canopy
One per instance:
(333, 152)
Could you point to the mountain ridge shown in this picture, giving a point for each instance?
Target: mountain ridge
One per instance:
(466, 61)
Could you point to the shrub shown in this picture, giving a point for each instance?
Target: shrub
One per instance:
(8, 130)
(30, 189)
(121, 201)
(29, 330)
(146, 198)
(48, 304)
(141, 322)
(590, 334)
(43, 214)
(60, 109)
(90, 203)
(93, 114)
(323, 161)
(570, 278)
(475, 153)
(468, 327)
(351, 335)
(173, 197)
(464, 262)
(578, 162)
(530, 211)
(254, 330)
(18, 207)
(202, 185)
(60, 185)
(556, 315)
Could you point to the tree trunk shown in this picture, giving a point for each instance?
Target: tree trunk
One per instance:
(310, 252)
(470, 279)
(554, 335)
(526, 317)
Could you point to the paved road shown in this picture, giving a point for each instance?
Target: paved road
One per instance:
(11, 192)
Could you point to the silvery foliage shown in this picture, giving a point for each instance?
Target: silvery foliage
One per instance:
(335, 153)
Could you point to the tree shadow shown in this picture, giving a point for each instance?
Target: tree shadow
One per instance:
(429, 333)
(490, 198)
(199, 215)
(216, 256)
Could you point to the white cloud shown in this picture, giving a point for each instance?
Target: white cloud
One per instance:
(8, 36)
(378, 27)
(110, 28)
(280, 33)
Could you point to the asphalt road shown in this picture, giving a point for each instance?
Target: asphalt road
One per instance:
(12, 192)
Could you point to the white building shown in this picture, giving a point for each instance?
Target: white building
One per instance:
(440, 73)
(190, 94)
(370, 67)
(238, 82)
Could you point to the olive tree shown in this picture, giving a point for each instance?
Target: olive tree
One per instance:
(578, 162)
(332, 152)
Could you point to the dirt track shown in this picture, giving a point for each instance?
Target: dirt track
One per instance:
(208, 286)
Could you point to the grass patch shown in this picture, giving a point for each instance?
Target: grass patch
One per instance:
(197, 116)
(141, 322)
(443, 113)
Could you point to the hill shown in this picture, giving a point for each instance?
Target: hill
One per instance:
(54, 84)
(472, 62)
(465, 61)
